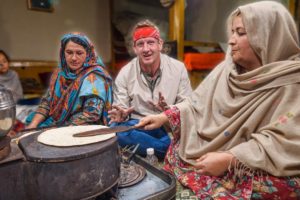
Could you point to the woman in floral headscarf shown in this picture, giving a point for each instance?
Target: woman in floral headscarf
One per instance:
(238, 135)
(80, 90)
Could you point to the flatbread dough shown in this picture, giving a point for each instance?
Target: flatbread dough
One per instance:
(63, 137)
(6, 123)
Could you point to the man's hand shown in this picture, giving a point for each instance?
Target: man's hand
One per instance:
(118, 114)
(214, 163)
(161, 104)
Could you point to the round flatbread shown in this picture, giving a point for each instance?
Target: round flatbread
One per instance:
(63, 137)
(6, 123)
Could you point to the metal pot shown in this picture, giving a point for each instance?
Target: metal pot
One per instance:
(7, 111)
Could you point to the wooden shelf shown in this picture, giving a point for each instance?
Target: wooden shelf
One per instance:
(34, 75)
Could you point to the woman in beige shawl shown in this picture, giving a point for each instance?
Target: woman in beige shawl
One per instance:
(238, 136)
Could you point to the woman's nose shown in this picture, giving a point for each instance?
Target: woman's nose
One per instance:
(74, 57)
(231, 40)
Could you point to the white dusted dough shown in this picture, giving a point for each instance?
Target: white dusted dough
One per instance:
(63, 137)
(6, 123)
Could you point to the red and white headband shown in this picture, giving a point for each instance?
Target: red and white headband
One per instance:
(144, 32)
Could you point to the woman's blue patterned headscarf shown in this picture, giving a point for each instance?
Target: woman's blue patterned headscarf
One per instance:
(91, 59)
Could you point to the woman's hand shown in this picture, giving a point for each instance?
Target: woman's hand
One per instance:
(36, 120)
(214, 163)
(151, 122)
(34, 124)
(118, 114)
(31, 125)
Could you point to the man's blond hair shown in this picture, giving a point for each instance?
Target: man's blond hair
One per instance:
(144, 23)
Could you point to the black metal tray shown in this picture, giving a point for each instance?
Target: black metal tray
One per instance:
(157, 184)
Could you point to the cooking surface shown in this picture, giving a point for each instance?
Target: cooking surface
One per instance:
(151, 185)
(35, 151)
(131, 175)
(157, 184)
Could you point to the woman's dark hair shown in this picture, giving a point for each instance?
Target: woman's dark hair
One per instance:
(79, 42)
(5, 55)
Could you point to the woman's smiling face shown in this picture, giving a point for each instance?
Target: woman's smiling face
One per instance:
(241, 50)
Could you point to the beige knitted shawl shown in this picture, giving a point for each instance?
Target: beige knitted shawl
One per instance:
(255, 115)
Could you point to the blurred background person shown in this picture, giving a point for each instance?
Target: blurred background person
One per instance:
(9, 78)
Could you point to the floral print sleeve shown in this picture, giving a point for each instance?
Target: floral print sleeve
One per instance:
(173, 115)
(44, 106)
(91, 113)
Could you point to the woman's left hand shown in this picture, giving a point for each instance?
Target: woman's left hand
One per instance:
(214, 163)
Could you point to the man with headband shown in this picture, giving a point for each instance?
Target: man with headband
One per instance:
(148, 78)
